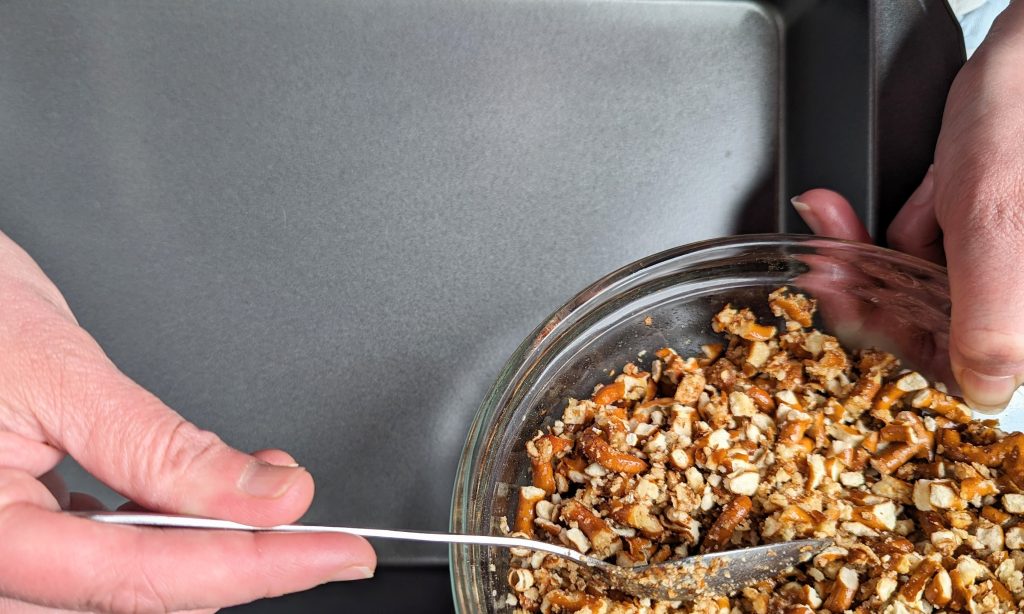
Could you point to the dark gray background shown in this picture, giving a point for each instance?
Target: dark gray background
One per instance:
(324, 225)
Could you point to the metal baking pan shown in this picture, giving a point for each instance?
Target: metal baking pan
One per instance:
(324, 224)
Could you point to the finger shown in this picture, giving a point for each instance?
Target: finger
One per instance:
(122, 568)
(849, 295)
(17, 487)
(829, 279)
(111, 568)
(986, 282)
(829, 214)
(32, 457)
(11, 606)
(131, 441)
(82, 502)
(273, 456)
(915, 230)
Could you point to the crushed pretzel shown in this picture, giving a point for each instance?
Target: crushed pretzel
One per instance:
(777, 433)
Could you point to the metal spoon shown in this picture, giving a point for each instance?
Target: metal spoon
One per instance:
(681, 579)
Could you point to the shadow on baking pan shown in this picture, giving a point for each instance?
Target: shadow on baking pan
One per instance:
(759, 212)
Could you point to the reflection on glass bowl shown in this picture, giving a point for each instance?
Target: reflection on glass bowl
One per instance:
(868, 296)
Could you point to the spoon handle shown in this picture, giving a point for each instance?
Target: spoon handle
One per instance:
(145, 519)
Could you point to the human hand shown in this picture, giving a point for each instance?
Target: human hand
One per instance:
(877, 302)
(968, 213)
(59, 393)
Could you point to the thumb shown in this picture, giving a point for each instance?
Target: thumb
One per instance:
(131, 441)
(986, 285)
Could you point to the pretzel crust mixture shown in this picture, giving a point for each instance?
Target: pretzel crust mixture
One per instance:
(777, 434)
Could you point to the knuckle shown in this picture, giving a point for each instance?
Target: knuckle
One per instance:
(982, 347)
(178, 447)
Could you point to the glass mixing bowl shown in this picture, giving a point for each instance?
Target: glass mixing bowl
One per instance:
(868, 296)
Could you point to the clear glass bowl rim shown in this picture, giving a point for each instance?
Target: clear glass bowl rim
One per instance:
(524, 357)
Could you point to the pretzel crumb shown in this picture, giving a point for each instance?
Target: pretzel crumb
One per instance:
(775, 433)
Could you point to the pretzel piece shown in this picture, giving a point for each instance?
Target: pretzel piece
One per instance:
(733, 513)
(597, 450)
(529, 496)
(597, 530)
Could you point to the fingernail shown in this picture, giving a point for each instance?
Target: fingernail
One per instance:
(806, 213)
(801, 207)
(268, 481)
(987, 393)
(357, 572)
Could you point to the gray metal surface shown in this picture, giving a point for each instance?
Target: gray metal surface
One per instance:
(324, 225)
(912, 60)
